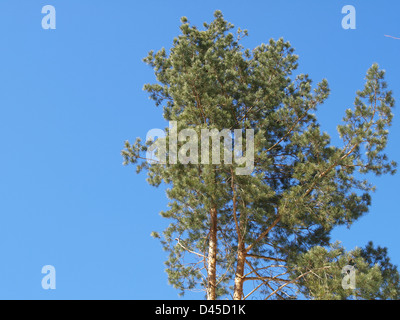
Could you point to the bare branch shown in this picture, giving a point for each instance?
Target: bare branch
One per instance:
(266, 258)
(293, 281)
(391, 37)
(197, 254)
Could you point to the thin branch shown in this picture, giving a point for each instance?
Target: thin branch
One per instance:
(266, 258)
(263, 234)
(391, 37)
(293, 281)
(293, 127)
(266, 278)
(264, 268)
(263, 282)
(197, 254)
(254, 290)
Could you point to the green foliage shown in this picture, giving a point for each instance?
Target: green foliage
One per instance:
(302, 182)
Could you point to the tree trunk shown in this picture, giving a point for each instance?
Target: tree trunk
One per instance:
(212, 257)
(241, 260)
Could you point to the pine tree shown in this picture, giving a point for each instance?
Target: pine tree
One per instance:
(271, 227)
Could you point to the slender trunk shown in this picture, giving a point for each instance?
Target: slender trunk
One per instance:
(212, 257)
(241, 253)
(241, 260)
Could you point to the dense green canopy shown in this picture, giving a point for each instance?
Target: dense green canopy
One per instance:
(271, 227)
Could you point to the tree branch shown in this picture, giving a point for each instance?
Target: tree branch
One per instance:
(266, 258)
(182, 246)
(293, 281)
(263, 234)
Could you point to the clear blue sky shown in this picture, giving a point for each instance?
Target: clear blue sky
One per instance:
(70, 97)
